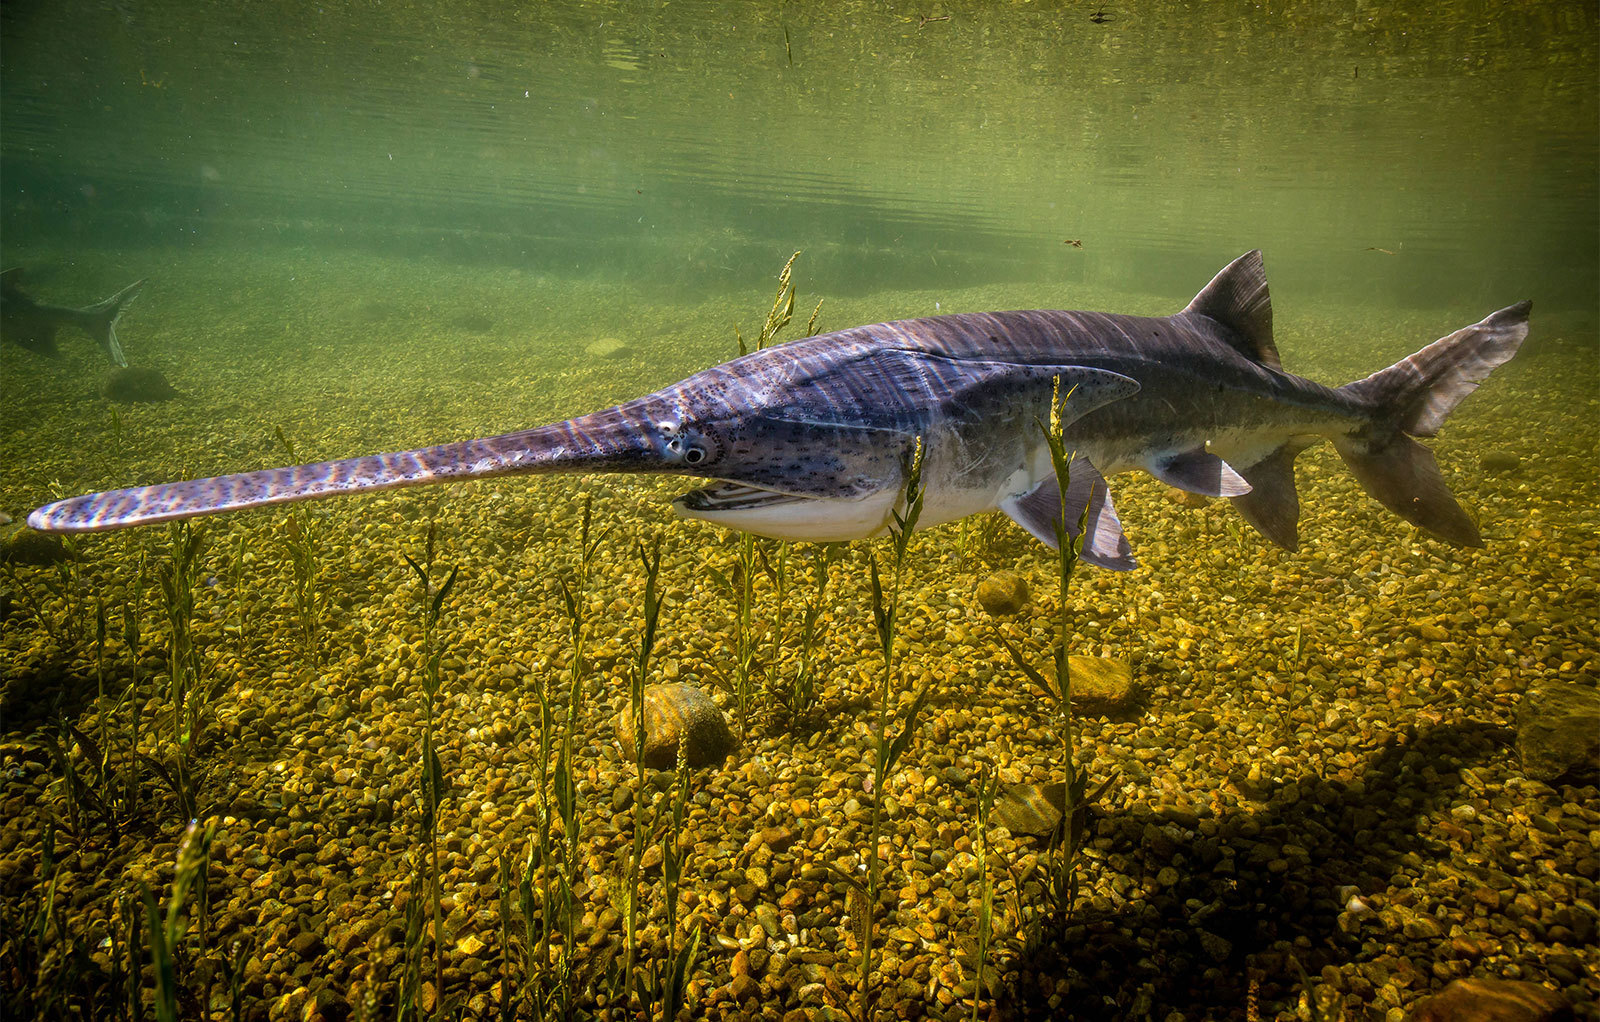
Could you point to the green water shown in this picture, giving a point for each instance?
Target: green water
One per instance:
(379, 226)
(686, 143)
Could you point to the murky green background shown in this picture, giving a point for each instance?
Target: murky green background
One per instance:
(1397, 154)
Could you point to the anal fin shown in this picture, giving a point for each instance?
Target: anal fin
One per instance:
(1037, 511)
(1273, 505)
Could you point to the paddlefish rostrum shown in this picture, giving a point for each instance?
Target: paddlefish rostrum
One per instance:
(812, 439)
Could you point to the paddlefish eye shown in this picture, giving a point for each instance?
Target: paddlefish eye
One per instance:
(686, 444)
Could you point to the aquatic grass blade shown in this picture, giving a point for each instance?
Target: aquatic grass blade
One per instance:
(1028, 669)
(902, 740)
(444, 591)
(166, 998)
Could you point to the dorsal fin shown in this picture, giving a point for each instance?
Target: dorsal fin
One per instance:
(1237, 298)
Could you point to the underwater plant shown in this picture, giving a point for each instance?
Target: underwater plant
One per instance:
(776, 568)
(432, 599)
(165, 931)
(409, 998)
(24, 933)
(549, 872)
(666, 978)
(542, 914)
(886, 610)
(190, 693)
(132, 634)
(800, 694)
(977, 959)
(740, 584)
(69, 582)
(237, 617)
(118, 432)
(781, 313)
(177, 579)
(100, 668)
(87, 794)
(302, 543)
(1061, 880)
(59, 608)
(650, 614)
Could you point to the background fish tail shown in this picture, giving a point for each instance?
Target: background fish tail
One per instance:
(1412, 398)
(100, 321)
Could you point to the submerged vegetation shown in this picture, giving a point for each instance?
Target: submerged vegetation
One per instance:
(357, 772)
(431, 594)
(895, 727)
(301, 539)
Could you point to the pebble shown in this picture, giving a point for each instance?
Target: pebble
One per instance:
(1183, 498)
(1003, 593)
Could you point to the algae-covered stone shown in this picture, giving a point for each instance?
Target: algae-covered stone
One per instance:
(673, 713)
(1500, 461)
(608, 347)
(327, 1005)
(1492, 1000)
(1033, 809)
(1004, 592)
(1558, 731)
(1101, 684)
(22, 545)
(139, 384)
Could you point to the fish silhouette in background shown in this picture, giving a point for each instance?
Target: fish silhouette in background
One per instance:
(812, 439)
(33, 325)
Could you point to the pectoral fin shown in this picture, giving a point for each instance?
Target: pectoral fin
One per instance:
(1198, 471)
(1040, 508)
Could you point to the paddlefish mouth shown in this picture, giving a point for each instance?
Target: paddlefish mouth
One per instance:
(723, 497)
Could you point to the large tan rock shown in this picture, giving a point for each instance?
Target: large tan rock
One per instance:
(1558, 731)
(1101, 685)
(22, 545)
(673, 713)
(1033, 809)
(1004, 592)
(1492, 1000)
(608, 347)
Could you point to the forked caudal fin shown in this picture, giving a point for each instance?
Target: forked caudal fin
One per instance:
(1411, 398)
(100, 320)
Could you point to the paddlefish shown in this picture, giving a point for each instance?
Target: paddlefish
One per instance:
(813, 439)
